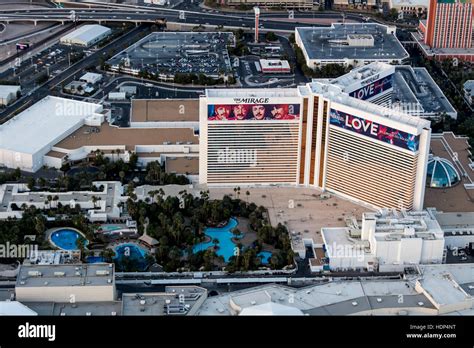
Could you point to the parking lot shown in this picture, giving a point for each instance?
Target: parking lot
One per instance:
(178, 52)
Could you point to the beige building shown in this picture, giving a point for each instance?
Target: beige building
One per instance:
(66, 283)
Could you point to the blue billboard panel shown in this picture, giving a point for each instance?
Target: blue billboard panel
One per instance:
(245, 112)
(374, 130)
(374, 88)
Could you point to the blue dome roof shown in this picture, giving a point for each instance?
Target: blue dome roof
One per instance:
(441, 173)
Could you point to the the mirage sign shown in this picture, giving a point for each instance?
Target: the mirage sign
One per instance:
(374, 130)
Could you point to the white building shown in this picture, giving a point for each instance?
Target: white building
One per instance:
(91, 78)
(8, 94)
(401, 87)
(87, 35)
(412, 7)
(315, 136)
(27, 137)
(468, 88)
(275, 66)
(66, 283)
(106, 205)
(387, 240)
(353, 44)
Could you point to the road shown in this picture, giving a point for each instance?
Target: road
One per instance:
(79, 67)
(270, 21)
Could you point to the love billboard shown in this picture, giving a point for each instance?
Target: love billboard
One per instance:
(374, 130)
(256, 111)
(373, 88)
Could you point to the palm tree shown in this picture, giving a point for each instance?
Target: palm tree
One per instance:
(247, 193)
(55, 199)
(49, 198)
(94, 200)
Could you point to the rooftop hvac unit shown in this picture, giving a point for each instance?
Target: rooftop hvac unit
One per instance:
(88, 314)
(101, 272)
(46, 283)
(354, 303)
(142, 302)
(379, 300)
(78, 274)
(22, 283)
(59, 274)
(113, 313)
(109, 281)
(34, 273)
(63, 314)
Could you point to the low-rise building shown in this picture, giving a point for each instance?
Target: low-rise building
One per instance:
(86, 36)
(387, 240)
(410, 7)
(353, 44)
(275, 66)
(468, 89)
(66, 283)
(8, 94)
(91, 78)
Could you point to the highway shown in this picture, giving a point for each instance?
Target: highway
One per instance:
(44, 90)
(270, 21)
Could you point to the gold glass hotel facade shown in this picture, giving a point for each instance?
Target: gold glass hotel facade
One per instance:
(314, 136)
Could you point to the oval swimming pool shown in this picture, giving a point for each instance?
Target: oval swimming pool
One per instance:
(65, 238)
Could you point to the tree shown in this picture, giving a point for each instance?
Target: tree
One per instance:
(31, 183)
(270, 36)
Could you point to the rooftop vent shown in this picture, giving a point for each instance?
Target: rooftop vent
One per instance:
(34, 273)
(59, 274)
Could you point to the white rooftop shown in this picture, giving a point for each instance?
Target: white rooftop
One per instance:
(6, 90)
(251, 93)
(86, 32)
(46, 122)
(15, 308)
(271, 308)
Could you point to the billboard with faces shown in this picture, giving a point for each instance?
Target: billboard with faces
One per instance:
(254, 109)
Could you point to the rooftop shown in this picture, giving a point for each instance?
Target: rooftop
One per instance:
(444, 282)
(15, 308)
(251, 93)
(182, 165)
(385, 45)
(47, 120)
(128, 137)
(178, 300)
(336, 95)
(391, 220)
(469, 87)
(65, 275)
(416, 86)
(456, 198)
(5, 90)
(86, 32)
(161, 110)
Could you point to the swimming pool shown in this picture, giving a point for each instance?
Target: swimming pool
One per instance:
(224, 235)
(110, 228)
(131, 251)
(94, 259)
(66, 238)
(265, 256)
